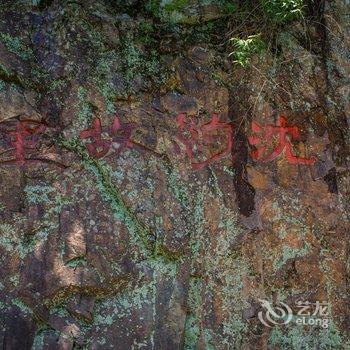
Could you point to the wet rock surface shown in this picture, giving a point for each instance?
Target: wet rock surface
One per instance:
(143, 248)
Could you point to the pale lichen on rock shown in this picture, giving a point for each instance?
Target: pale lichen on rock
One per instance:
(141, 250)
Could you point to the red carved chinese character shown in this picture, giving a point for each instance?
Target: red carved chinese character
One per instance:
(194, 138)
(283, 132)
(183, 127)
(118, 133)
(99, 147)
(23, 139)
(122, 135)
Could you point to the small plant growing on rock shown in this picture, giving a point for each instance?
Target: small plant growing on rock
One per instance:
(244, 49)
(282, 11)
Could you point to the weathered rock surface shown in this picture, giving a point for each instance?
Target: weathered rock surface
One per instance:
(139, 250)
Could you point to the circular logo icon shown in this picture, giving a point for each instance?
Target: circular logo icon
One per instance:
(274, 315)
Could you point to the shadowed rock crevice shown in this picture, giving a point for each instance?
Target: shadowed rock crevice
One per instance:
(336, 119)
(245, 192)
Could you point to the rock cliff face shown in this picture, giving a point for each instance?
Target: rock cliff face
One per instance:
(166, 230)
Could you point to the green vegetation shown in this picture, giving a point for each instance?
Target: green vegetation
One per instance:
(282, 11)
(137, 63)
(147, 31)
(2, 85)
(38, 194)
(172, 14)
(298, 338)
(272, 14)
(175, 5)
(228, 7)
(152, 7)
(244, 49)
(85, 115)
(112, 196)
(15, 46)
(195, 304)
(23, 307)
(42, 331)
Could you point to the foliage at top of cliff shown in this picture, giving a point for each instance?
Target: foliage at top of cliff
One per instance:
(283, 11)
